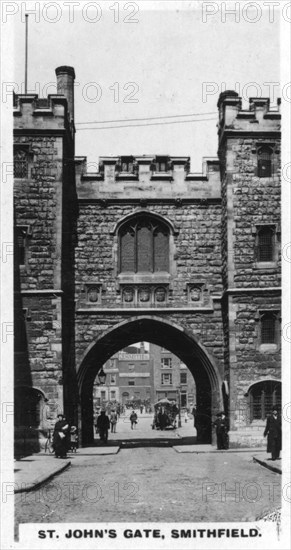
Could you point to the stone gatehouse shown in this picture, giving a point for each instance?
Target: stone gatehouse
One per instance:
(145, 250)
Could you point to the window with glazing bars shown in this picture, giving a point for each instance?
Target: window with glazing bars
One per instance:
(263, 396)
(265, 245)
(20, 163)
(265, 162)
(166, 362)
(144, 246)
(183, 377)
(166, 379)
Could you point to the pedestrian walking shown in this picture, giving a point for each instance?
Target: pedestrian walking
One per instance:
(60, 437)
(133, 419)
(73, 439)
(221, 425)
(273, 431)
(113, 421)
(103, 425)
(186, 416)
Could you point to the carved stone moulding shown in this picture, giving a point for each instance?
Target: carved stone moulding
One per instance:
(93, 293)
(144, 294)
(197, 293)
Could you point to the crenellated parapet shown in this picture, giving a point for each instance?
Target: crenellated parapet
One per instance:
(54, 113)
(34, 113)
(260, 117)
(147, 177)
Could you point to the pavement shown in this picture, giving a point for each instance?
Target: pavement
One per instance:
(33, 471)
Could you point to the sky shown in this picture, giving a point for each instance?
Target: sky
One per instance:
(161, 64)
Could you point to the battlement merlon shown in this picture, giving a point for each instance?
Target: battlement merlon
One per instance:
(258, 118)
(141, 176)
(54, 112)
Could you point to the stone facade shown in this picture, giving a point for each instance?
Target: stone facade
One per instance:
(250, 286)
(181, 383)
(85, 290)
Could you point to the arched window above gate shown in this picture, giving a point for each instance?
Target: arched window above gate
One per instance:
(144, 246)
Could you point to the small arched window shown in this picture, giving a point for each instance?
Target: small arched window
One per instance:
(265, 244)
(144, 246)
(265, 156)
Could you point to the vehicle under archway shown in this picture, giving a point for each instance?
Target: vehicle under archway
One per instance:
(165, 334)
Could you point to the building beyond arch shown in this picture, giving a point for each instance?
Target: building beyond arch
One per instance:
(161, 332)
(201, 261)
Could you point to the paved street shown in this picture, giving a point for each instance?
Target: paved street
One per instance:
(143, 429)
(153, 484)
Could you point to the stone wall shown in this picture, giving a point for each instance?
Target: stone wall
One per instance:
(38, 204)
(196, 256)
(206, 328)
(250, 362)
(255, 201)
(248, 201)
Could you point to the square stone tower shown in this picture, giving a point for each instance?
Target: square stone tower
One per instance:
(249, 153)
(45, 216)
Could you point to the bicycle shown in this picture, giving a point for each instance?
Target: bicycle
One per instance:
(49, 443)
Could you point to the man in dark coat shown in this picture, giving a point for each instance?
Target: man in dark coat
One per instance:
(60, 437)
(273, 431)
(221, 425)
(103, 424)
(133, 419)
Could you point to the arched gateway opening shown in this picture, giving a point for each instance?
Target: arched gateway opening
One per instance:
(171, 336)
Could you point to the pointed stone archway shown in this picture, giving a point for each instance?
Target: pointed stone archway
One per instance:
(175, 338)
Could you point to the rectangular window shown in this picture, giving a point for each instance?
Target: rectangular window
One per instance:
(20, 163)
(268, 329)
(166, 379)
(103, 395)
(264, 168)
(183, 377)
(113, 379)
(265, 156)
(265, 244)
(113, 395)
(166, 363)
(131, 382)
(131, 366)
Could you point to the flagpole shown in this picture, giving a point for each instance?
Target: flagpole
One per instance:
(26, 47)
